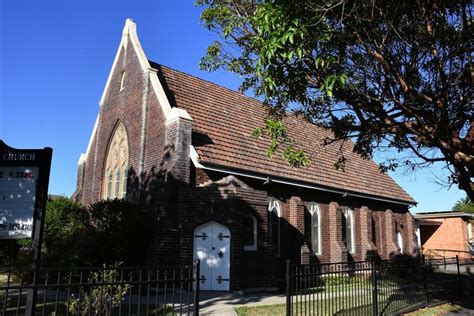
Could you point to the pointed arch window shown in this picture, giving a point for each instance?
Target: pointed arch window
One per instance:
(400, 241)
(374, 229)
(399, 237)
(313, 227)
(348, 229)
(116, 165)
(274, 226)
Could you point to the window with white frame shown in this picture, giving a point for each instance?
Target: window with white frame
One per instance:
(399, 236)
(348, 229)
(249, 239)
(400, 241)
(313, 227)
(274, 214)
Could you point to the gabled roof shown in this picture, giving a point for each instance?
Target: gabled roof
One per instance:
(223, 122)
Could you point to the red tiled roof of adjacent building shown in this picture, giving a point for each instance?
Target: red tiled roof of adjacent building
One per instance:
(223, 122)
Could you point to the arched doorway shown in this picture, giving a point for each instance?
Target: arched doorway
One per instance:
(212, 247)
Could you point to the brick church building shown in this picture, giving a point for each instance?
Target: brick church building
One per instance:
(184, 146)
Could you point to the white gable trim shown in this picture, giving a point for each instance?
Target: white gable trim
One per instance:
(129, 35)
(83, 157)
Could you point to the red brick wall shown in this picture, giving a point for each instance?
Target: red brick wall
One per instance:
(227, 206)
(127, 106)
(161, 175)
(450, 235)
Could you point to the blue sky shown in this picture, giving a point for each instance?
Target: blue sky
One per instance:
(55, 57)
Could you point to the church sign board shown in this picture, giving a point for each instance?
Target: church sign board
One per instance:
(24, 177)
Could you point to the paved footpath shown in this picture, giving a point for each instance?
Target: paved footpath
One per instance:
(223, 303)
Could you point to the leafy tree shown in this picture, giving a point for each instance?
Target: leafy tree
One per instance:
(106, 232)
(383, 74)
(464, 205)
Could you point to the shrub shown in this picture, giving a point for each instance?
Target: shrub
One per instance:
(106, 232)
(65, 225)
(120, 232)
(65, 232)
(100, 299)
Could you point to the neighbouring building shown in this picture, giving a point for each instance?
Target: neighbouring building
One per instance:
(184, 146)
(445, 234)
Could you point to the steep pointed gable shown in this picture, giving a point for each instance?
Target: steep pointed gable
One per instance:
(130, 38)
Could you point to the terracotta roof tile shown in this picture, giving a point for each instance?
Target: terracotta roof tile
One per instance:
(223, 122)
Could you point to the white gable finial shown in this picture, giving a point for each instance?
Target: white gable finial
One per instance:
(130, 37)
(129, 28)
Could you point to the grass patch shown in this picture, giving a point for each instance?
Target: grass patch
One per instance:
(264, 310)
(389, 303)
(436, 310)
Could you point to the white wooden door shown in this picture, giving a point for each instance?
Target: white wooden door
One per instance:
(212, 247)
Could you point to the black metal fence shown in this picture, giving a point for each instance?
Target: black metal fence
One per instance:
(100, 291)
(372, 288)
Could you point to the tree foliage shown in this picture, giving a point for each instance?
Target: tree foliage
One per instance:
(464, 205)
(106, 232)
(66, 231)
(383, 74)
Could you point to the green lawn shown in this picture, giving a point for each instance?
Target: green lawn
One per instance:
(265, 310)
(390, 302)
(437, 310)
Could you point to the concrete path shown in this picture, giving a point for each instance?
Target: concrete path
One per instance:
(223, 303)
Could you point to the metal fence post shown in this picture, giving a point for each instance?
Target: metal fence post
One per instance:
(425, 283)
(288, 288)
(196, 286)
(375, 305)
(31, 295)
(459, 277)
